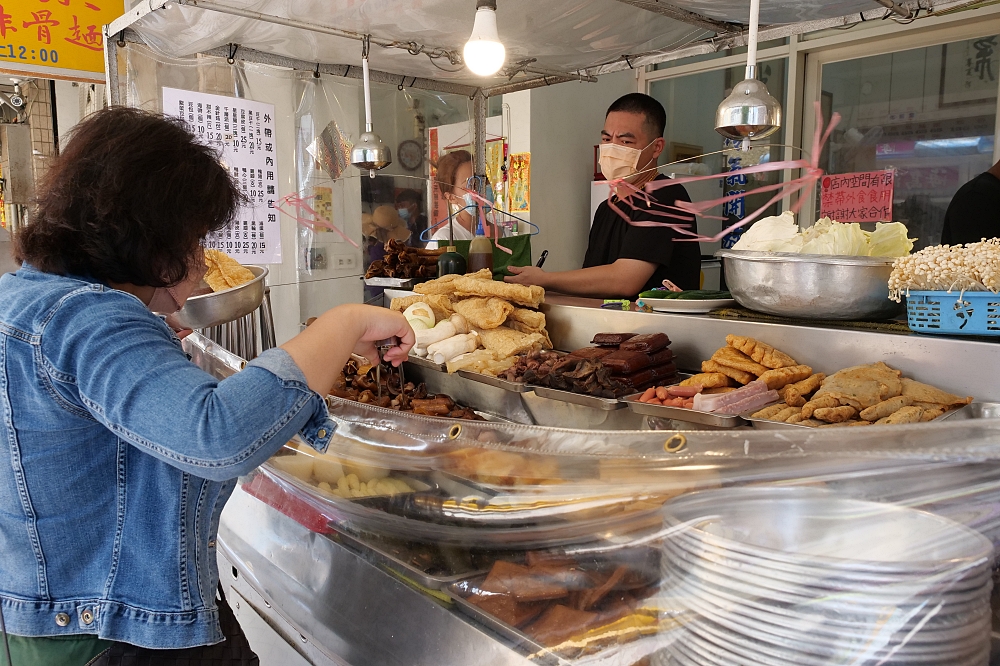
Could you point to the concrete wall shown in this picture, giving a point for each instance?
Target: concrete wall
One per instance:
(566, 122)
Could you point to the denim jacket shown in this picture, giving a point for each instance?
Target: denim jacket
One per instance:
(117, 455)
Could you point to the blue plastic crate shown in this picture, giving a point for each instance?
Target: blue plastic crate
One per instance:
(953, 313)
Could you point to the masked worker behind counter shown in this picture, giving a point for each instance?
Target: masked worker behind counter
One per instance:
(117, 453)
(623, 260)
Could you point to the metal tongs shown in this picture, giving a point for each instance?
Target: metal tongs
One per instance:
(382, 346)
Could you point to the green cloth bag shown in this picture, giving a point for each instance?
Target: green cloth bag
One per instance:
(520, 247)
(53, 650)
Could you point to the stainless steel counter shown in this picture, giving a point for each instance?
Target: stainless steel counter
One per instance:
(334, 606)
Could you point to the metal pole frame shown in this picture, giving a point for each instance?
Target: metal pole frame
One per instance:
(479, 110)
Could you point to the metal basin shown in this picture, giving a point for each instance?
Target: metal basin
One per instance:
(811, 286)
(225, 306)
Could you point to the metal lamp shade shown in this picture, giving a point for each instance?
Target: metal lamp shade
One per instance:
(370, 153)
(750, 112)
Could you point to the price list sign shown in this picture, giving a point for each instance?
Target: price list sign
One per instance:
(865, 196)
(243, 131)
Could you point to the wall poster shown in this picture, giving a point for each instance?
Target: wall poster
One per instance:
(520, 182)
(243, 131)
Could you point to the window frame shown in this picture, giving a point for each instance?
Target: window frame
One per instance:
(808, 53)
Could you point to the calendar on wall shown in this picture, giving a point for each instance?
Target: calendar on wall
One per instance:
(243, 132)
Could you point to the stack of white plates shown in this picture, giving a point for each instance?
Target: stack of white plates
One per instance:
(804, 577)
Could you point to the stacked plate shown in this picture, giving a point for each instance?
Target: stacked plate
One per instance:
(804, 577)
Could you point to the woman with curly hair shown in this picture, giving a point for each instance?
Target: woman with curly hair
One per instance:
(117, 454)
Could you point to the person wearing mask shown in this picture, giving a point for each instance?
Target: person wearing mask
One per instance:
(117, 453)
(974, 211)
(623, 260)
(408, 208)
(454, 175)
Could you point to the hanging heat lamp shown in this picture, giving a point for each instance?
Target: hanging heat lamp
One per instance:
(750, 112)
(369, 152)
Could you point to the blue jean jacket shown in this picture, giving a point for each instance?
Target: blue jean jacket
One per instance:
(117, 455)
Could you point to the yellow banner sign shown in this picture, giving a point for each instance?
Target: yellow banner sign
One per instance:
(59, 38)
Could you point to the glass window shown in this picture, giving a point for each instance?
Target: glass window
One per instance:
(928, 113)
(690, 103)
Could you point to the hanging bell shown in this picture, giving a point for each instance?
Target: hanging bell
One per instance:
(750, 112)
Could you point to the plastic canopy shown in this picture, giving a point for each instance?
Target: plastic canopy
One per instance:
(581, 36)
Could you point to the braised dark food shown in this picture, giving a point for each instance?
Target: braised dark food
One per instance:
(611, 339)
(553, 599)
(403, 261)
(576, 374)
(410, 397)
(648, 343)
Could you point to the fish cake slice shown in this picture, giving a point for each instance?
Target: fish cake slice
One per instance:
(761, 352)
(776, 379)
(795, 394)
(737, 359)
(835, 414)
(908, 414)
(786, 414)
(931, 414)
(708, 380)
(739, 375)
(818, 403)
(768, 412)
(886, 408)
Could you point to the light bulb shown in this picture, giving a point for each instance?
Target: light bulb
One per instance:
(483, 53)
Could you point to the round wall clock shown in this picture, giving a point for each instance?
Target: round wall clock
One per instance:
(411, 154)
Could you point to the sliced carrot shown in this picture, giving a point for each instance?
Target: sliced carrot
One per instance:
(649, 393)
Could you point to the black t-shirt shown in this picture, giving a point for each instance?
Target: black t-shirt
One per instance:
(612, 238)
(974, 211)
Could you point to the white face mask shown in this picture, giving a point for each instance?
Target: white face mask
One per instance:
(618, 161)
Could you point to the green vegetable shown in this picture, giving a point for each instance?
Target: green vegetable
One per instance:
(690, 295)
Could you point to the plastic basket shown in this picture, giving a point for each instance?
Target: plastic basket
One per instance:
(953, 313)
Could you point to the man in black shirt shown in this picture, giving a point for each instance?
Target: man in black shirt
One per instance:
(974, 212)
(622, 259)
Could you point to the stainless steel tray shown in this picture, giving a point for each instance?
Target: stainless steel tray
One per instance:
(513, 387)
(977, 410)
(390, 283)
(682, 414)
(605, 404)
(425, 363)
(381, 556)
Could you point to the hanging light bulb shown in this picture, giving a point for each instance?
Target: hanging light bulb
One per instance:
(369, 152)
(483, 53)
(750, 112)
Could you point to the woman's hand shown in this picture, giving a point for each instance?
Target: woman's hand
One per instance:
(323, 348)
(381, 324)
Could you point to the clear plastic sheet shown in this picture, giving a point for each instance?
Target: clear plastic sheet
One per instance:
(738, 547)
(564, 36)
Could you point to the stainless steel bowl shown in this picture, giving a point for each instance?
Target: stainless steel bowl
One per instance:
(811, 286)
(222, 307)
